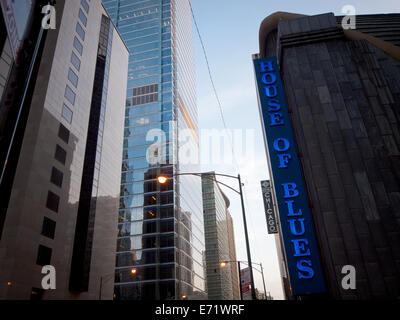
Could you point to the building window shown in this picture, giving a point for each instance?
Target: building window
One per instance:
(63, 133)
(48, 228)
(82, 17)
(53, 201)
(73, 77)
(60, 155)
(85, 5)
(78, 45)
(75, 61)
(56, 177)
(66, 113)
(80, 31)
(69, 94)
(43, 256)
(37, 294)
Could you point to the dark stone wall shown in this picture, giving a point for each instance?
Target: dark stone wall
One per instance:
(344, 99)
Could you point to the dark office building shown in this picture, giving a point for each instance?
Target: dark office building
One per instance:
(61, 132)
(340, 101)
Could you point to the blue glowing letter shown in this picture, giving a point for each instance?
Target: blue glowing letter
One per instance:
(276, 119)
(285, 147)
(284, 160)
(272, 78)
(305, 266)
(271, 93)
(290, 190)
(292, 223)
(300, 247)
(274, 105)
(266, 66)
(291, 210)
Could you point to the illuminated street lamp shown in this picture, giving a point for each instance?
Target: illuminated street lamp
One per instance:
(133, 271)
(109, 276)
(223, 264)
(164, 179)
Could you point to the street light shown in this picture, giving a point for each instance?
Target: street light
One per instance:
(164, 179)
(224, 263)
(133, 271)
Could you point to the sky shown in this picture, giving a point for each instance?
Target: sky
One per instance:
(229, 29)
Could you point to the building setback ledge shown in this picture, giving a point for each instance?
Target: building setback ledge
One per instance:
(299, 28)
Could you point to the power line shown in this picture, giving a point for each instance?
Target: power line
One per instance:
(213, 84)
(220, 106)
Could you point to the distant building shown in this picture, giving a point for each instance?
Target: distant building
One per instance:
(332, 134)
(222, 282)
(60, 191)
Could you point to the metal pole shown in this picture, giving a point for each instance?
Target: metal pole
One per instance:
(240, 282)
(101, 284)
(253, 291)
(262, 273)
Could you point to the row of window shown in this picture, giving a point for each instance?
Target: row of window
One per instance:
(140, 200)
(149, 213)
(56, 177)
(73, 78)
(145, 227)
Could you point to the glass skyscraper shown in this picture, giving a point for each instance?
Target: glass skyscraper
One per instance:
(160, 243)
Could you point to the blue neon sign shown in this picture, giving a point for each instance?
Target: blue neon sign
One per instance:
(294, 214)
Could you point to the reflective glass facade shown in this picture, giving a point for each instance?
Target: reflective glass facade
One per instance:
(161, 231)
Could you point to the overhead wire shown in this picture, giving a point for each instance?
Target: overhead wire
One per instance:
(220, 108)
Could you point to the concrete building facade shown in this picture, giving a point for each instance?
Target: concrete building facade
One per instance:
(63, 201)
(343, 94)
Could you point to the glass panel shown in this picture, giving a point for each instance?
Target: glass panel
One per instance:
(75, 61)
(82, 17)
(80, 31)
(73, 77)
(66, 113)
(69, 94)
(78, 45)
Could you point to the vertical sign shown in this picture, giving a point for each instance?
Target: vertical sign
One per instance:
(301, 250)
(245, 283)
(269, 206)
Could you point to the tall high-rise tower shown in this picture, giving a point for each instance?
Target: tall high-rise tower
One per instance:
(61, 118)
(161, 238)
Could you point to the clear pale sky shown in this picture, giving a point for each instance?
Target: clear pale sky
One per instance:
(229, 29)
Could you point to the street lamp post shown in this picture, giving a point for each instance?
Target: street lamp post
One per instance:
(223, 264)
(109, 276)
(240, 281)
(163, 179)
